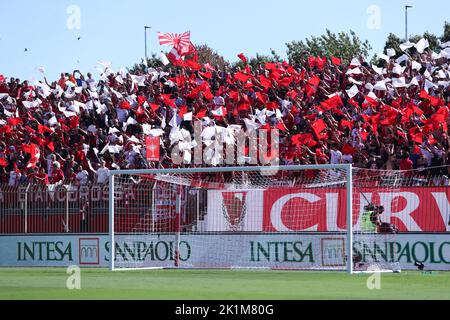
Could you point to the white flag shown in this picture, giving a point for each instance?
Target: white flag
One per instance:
(251, 124)
(187, 116)
(416, 66)
(164, 59)
(402, 58)
(75, 108)
(353, 91)
(115, 149)
(52, 121)
(398, 69)
(113, 130)
(380, 85)
(175, 121)
(356, 70)
(140, 80)
(31, 104)
(68, 114)
(377, 70)
(445, 53)
(406, 45)
(398, 82)
(156, 132)
(146, 128)
(101, 108)
(383, 56)
(134, 139)
(119, 79)
(390, 52)
(131, 120)
(355, 62)
(372, 95)
(359, 83)
(422, 45)
(413, 82)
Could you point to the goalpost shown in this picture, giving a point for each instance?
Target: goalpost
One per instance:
(284, 217)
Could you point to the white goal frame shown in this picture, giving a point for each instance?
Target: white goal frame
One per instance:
(347, 168)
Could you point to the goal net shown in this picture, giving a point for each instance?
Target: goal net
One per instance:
(290, 217)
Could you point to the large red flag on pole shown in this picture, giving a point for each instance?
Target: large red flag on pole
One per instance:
(174, 39)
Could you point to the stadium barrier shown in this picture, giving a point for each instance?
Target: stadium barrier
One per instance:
(61, 225)
(67, 208)
(62, 208)
(433, 250)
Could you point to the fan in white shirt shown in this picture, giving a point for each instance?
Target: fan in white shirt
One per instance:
(14, 178)
(82, 176)
(335, 155)
(102, 173)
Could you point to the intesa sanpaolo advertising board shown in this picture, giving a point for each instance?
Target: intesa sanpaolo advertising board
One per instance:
(203, 250)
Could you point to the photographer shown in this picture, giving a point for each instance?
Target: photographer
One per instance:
(384, 227)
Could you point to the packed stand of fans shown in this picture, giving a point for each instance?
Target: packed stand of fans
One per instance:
(392, 116)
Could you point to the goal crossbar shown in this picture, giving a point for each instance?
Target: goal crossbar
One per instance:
(233, 169)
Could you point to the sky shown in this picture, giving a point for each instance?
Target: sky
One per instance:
(113, 30)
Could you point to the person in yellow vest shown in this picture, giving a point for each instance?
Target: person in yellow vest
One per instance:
(370, 219)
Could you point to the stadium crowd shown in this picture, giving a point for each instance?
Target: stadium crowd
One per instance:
(390, 116)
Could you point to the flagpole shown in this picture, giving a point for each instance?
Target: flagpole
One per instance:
(406, 22)
(145, 36)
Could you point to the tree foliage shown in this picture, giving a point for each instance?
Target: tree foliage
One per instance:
(259, 59)
(446, 36)
(433, 40)
(152, 62)
(343, 45)
(205, 54)
(208, 55)
(393, 41)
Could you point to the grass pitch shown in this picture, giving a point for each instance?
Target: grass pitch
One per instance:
(50, 283)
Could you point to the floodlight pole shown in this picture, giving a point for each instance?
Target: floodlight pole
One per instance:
(406, 22)
(145, 36)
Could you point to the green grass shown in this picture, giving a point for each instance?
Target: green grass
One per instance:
(50, 283)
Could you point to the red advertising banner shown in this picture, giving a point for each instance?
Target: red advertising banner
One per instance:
(409, 208)
(152, 145)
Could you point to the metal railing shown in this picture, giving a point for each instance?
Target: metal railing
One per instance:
(63, 208)
(68, 208)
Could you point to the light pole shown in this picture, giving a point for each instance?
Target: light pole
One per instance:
(406, 22)
(145, 36)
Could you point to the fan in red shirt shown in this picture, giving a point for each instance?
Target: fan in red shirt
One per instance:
(57, 173)
(41, 177)
(406, 164)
